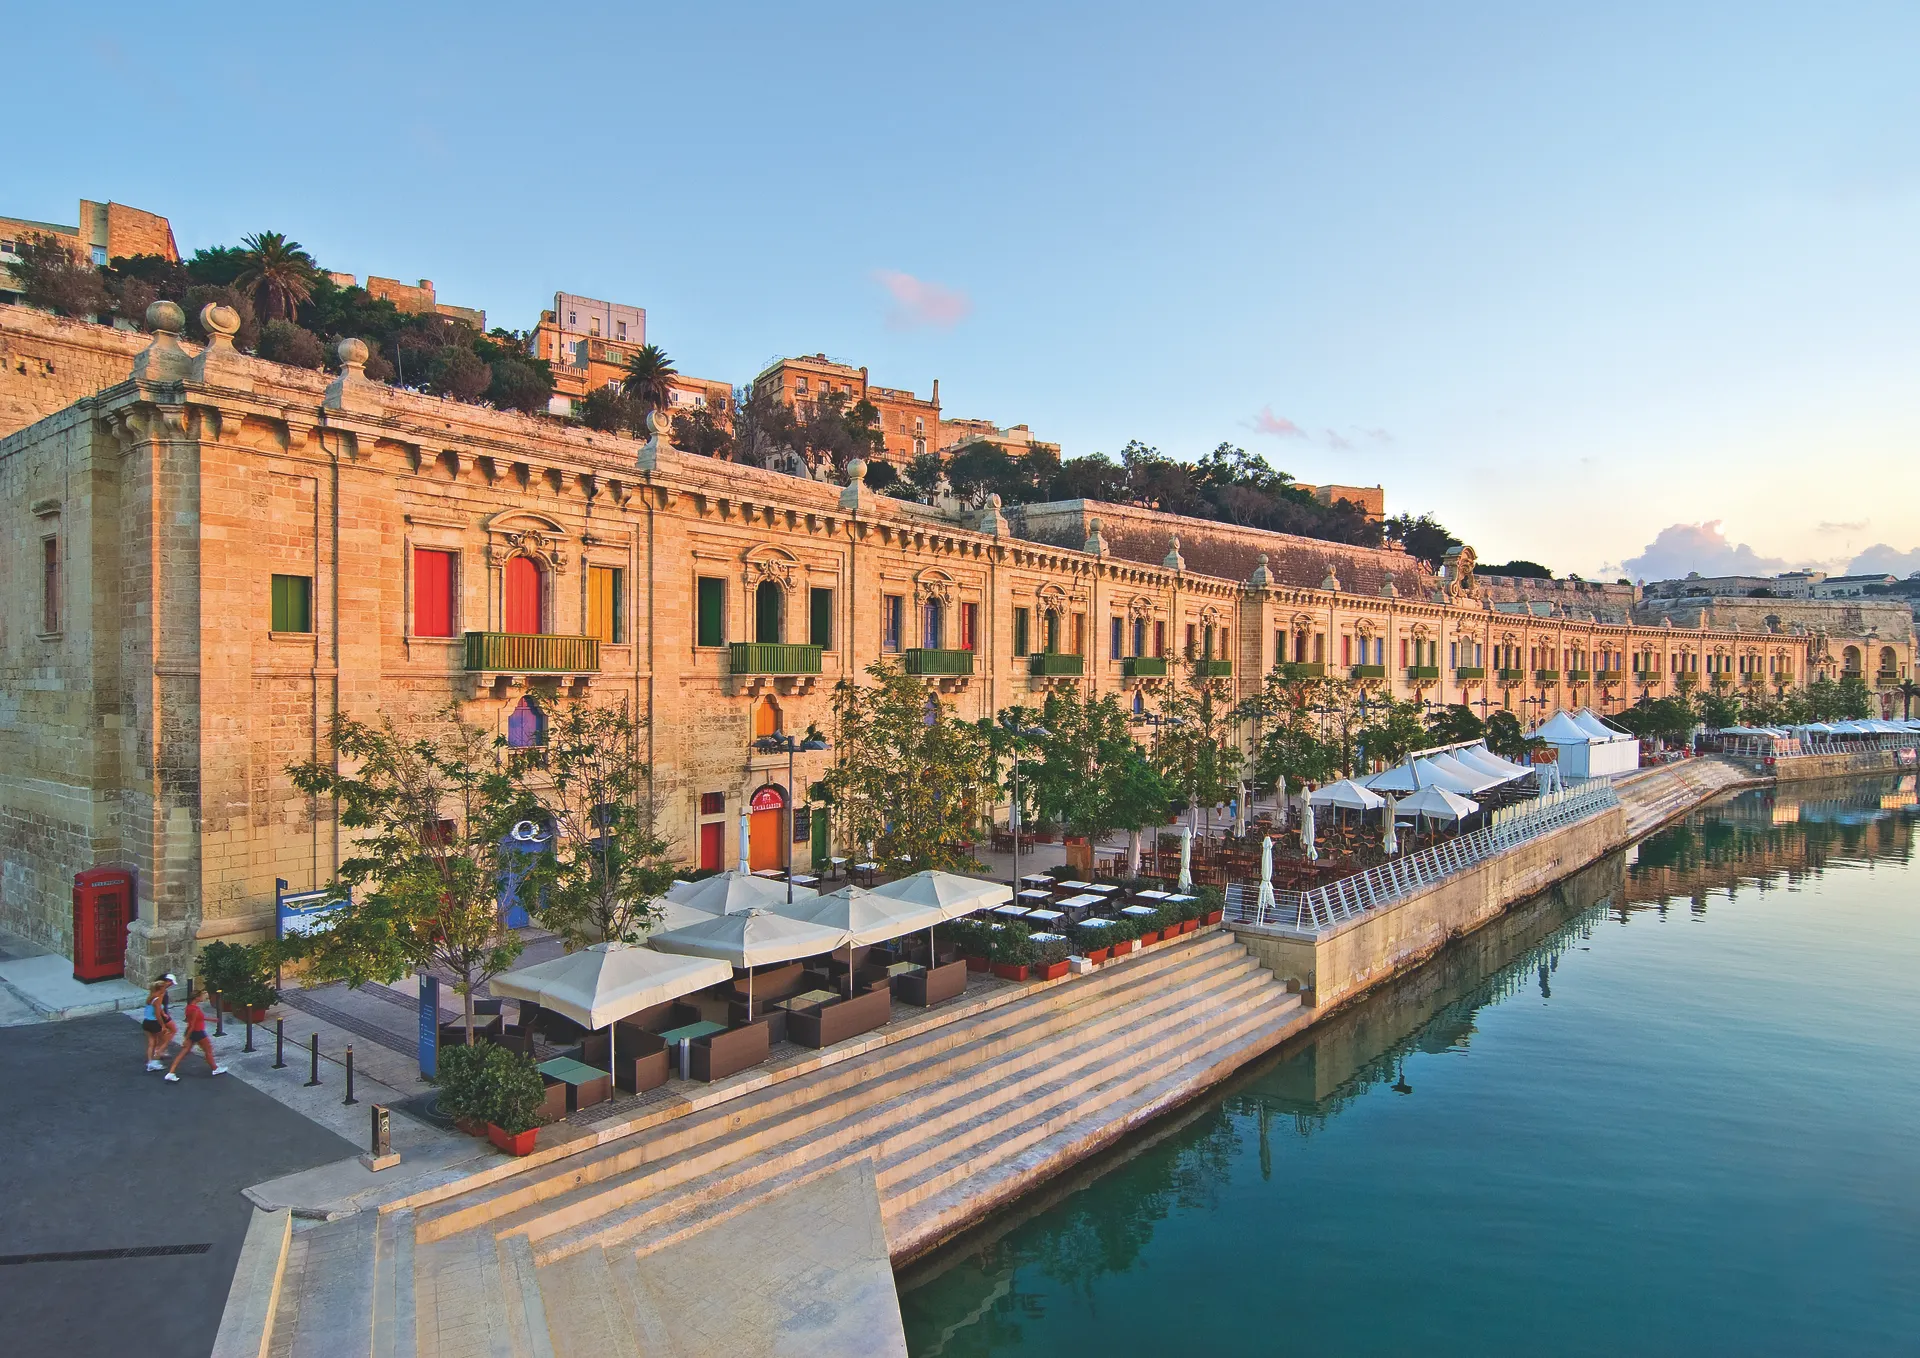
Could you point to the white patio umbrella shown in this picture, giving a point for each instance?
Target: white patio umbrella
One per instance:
(953, 894)
(728, 893)
(1346, 795)
(1437, 803)
(866, 917)
(745, 864)
(749, 939)
(1475, 780)
(1474, 757)
(1186, 858)
(604, 982)
(1306, 829)
(1266, 875)
(1389, 840)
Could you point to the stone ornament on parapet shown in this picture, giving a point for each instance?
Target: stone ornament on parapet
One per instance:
(857, 496)
(164, 360)
(658, 441)
(352, 390)
(220, 364)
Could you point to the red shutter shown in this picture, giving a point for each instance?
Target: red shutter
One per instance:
(523, 596)
(432, 593)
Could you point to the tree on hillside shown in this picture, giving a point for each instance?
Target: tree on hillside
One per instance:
(48, 275)
(649, 379)
(907, 778)
(276, 273)
(426, 816)
(1423, 537)
(1518, 569)
(704, 430)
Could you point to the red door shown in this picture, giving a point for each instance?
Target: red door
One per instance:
(713, 840)
(523, 596)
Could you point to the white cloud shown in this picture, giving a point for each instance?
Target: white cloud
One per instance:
(1880, 557)
(1702, 547)
(918, 303)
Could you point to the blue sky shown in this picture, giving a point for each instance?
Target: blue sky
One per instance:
(1593, 284)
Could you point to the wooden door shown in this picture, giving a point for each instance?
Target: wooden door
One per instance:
(713, 840)
(522, 612)
(767, 830)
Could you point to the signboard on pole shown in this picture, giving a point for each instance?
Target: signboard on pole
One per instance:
(305, 912)
(429, 1025)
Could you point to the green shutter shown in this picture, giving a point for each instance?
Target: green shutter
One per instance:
(712, 603)
(820, 629)
(292, 603)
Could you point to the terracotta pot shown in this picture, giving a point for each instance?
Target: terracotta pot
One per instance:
(1213, 917)
(1053, 971)
(978, 964)
(515, 1143)
(1098, 955)
(1006, 971)
(1150, 937)
(1126, 946)
(1187, 926)
(249, 1013)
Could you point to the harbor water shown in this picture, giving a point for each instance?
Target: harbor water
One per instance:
(1672, 1106)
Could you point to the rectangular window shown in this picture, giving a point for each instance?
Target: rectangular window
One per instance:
(713, 803)
(293, 603)
(1193, 640)
(820, 618)
(50, 584)
(1403, 652)
(1118, 639)
(1453, 655)
(713, 612)
(1022, 631)
(893, 620)
(432, 593)
(606, 603)
(1079, 634)
(1346, 650)
(969, 626)
(1139, 636)
(1160, 638)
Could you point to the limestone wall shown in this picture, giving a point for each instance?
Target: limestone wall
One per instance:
(47, 363)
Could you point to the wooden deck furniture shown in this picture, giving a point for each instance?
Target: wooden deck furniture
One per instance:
(842, 1019)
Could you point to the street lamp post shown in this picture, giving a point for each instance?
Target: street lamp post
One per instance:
(785, 744)
(1018, 733)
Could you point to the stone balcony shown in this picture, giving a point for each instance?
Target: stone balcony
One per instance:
(1144, 667)
(785, 666)
(951, 670)
(499, 661)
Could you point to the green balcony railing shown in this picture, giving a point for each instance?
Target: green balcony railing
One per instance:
(1578, 676)
(1368, 672)
(1415, 673)
(1302, 669)
(1465, 672)
(1888, 678)
(772, 657)
(1510, 676)
(926, 660)
(1212, 669)
(1054, 664)
(532, 653)
(1546, 676)
(1607, 676)
(1144, 667)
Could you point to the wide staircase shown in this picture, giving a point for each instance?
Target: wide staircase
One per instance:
(952, 1121)
(1655, 796)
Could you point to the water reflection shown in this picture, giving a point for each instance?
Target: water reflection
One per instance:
(986, 1293)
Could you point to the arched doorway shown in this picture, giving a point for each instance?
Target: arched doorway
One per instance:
(522, 612)
(767, 829)
(767, 604)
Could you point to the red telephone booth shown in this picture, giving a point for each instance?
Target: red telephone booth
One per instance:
(102, 909)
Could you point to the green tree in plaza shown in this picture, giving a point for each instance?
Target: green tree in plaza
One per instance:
(426, 815)
(1198, 752)
(906, 776)
(276, 273)
(1508, 739)
(1668, 719)
(1393, 730)
(1454, 723)
(1090, 777)
(1291, 739)
(1718, 707)
(586, 784)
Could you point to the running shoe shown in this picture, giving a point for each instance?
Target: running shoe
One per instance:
(172, 1078)
(219, 1070)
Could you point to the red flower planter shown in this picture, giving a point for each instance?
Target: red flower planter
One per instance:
(1212, 917)
(248, 1013)
(1053, 971)
(513, 1143)
(1150, 937)
(1187, 926)
(1006, 971)
(1097, 955)
(978, 964)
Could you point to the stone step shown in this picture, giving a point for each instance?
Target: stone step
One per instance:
(459, 1293)
(891, 1126)
(1057, 1005)
(913, 1228)
(586, 1315)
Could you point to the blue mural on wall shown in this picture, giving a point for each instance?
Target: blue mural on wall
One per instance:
(523, 841)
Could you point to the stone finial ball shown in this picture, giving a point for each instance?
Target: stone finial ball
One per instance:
(857, 469)
(219, 319)
(166, 317)
(993, 500)
(353, 353)
(656, 423)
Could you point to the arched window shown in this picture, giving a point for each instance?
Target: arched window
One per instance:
(1850, 659)
(768, 603)
(1887, 662)
(526, 725)
(523, 612)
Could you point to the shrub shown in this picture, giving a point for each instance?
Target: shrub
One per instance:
(1011, 947)
(240, 973)
(518, 386)
(1052, 950)
(462, 1081)
(201, 297)
(612, 411)
(513, 1090)
(285, 342)
(456, 371)
(49, 276)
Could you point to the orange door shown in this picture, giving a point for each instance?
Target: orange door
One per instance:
(764, 836)
(522, 613)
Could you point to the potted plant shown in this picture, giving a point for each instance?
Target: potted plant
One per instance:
(513, 1092)
(1050, 958)
(1012, 952)
(249, 998)
(240, 976)
(462, 1080)
(1213, 904)
(970, 937)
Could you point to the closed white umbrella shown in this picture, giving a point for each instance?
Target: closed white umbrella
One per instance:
(1186, 858)
(749, 939)
(1266, 875)
(745, 863)
(728, 893)
(1306, 829)
(1346, 795)
(1280, 800)
(1389, 840)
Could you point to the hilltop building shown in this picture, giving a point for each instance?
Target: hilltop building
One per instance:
(415, 299)
(590, 343)
(104, 232)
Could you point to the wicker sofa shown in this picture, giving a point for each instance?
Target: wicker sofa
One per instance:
(926, 988)
(718, 1055)
(839, 1020)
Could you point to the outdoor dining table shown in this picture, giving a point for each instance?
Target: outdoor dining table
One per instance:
(1045, 916)
(801, 879)
(811, 997)
(681, 1039)
(1138, 910)
(1034, 898)
(1037, 879)
(1046, 938)
(867, 870)
(1180, 900)
(1151, 895)
(902, 968)
(766, 872)
(1103, 888)
(1075, 887)
(835, 866)
(1011, 911)
(586, 1085)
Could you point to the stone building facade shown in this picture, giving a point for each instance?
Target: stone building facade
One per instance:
(211, 556)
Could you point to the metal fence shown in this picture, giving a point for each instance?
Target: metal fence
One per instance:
(1333, 903)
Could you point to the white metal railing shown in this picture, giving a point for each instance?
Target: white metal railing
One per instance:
(1336, 902)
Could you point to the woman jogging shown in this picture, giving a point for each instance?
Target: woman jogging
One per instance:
(157, 1022)
(196, 1037)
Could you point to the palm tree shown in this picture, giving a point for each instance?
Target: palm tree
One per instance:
(1908, 691)
(649, 378)
(277, 272)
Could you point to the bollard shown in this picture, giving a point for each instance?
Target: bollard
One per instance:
(313, 1078)
(219, 1015)
(349, 1098)
(382, 1131)
(279, 1044)
(249, 1046)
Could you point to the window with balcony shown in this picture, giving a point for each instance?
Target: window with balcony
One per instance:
(606, 603)
(1139, 636)
(820, 618)
(711, 627)
(769, 604)
(969, 626)
(292, 603)
(433, 612)
(524, 609)
(933, 629)
(1050, 631)
(1160, 639)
